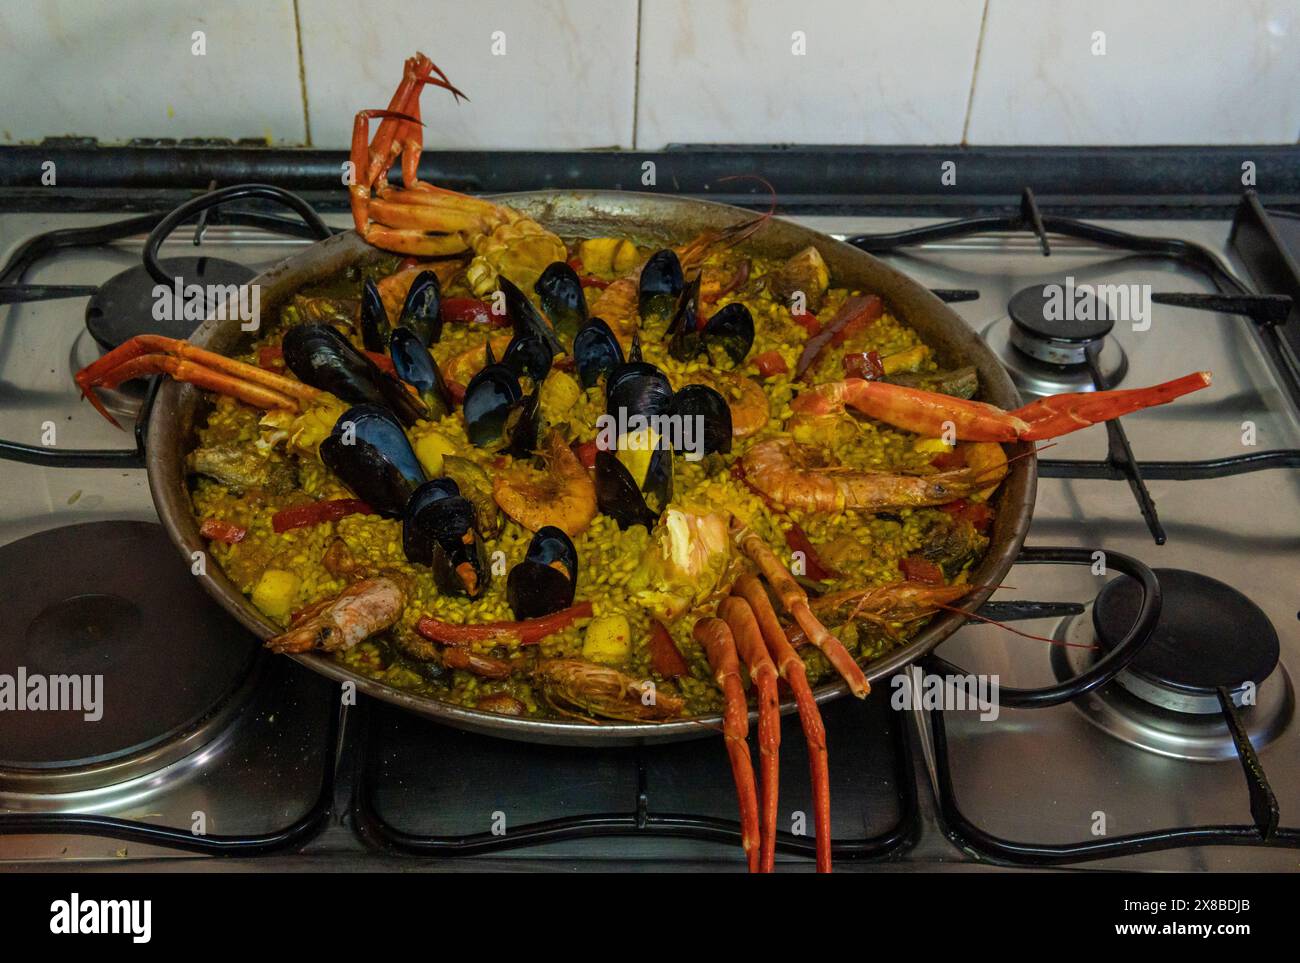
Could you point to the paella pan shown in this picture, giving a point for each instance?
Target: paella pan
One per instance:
(595, 467)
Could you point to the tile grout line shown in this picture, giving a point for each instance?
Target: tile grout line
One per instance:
(975, 70)
(636, 78)
(302, 73)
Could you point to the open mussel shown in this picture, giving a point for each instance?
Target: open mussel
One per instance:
(637, 388)
(422, 310)
(545, 581)
(320, 356)
(415, 366)
(731, 329)
(440, 530)
(562, 299)
(375, 327)
(527, 320)
(634, 489)
(368, 450)
(528, 356)
(496, 409)
(596, 352)
(705, 418)
(686, 313)
(659, 289)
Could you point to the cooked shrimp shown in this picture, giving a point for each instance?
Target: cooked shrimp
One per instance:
(355, 614)
(562, 494)
(792, 475)
(579, 688)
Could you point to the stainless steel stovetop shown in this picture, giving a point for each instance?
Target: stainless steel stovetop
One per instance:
(292, 758)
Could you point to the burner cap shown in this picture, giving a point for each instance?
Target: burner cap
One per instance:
(124, 304)
(1209, 635)
(1057, 322)
(112, 601)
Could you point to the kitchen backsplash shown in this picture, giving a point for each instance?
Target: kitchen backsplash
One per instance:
(568, 74)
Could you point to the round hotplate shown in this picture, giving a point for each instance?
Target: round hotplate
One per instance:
(129, 652)
(1057, 312)
(1209, 636)
(127, 304)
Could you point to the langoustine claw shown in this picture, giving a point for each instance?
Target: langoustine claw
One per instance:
(361, 610)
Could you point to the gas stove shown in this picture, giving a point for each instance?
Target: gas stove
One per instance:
(189, 747)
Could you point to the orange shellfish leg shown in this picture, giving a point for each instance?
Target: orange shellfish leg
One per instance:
(791, 668)
(1059, 415)
(149, 354)
(720, 649)
(762, 672)
(795, 601)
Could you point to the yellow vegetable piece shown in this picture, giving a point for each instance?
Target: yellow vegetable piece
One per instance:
(274, 593)
(608, 640)
(430, 450)
(908, 360)
(635, 451)
(935, 446)
(607, 255)
(559, 393)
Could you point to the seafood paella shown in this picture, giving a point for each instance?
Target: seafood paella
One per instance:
(600, 478)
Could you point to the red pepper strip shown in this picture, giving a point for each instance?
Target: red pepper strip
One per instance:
(808, 321)
(271, 357)
(586, 453)
(855, 307)
(865, 365)
(329, 510)
(799, 541)
(771, 363)
(737, 279)
(918, 569)
(457, 391)
(587, 281)
(216, 530)
(977, 513)
(860, 322)
(526, 632)
(406, 263)
(471, 311)
(664, 655)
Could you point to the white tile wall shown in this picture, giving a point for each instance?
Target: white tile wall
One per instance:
(644, 73)
(566, 79)
(874, 71)
(125, 69)
(1174, 72)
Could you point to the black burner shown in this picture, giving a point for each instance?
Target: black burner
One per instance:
(111, 599)
(124, 304)
(1057, 323)
(1209, 636)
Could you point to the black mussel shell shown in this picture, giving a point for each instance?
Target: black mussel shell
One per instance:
(620, 497)
(686, 315)
(529, 356)
(321, 357)
(416, 367)
(537, 586)
(523, 423)
(562, 299)
(731, 329)
(369, 452)
(638, 388)
(439, 530)
(712, 431)
(660, 287)
(490, 396)
(528, 321)
(375, 327)
(596, 352)
(422, 310)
